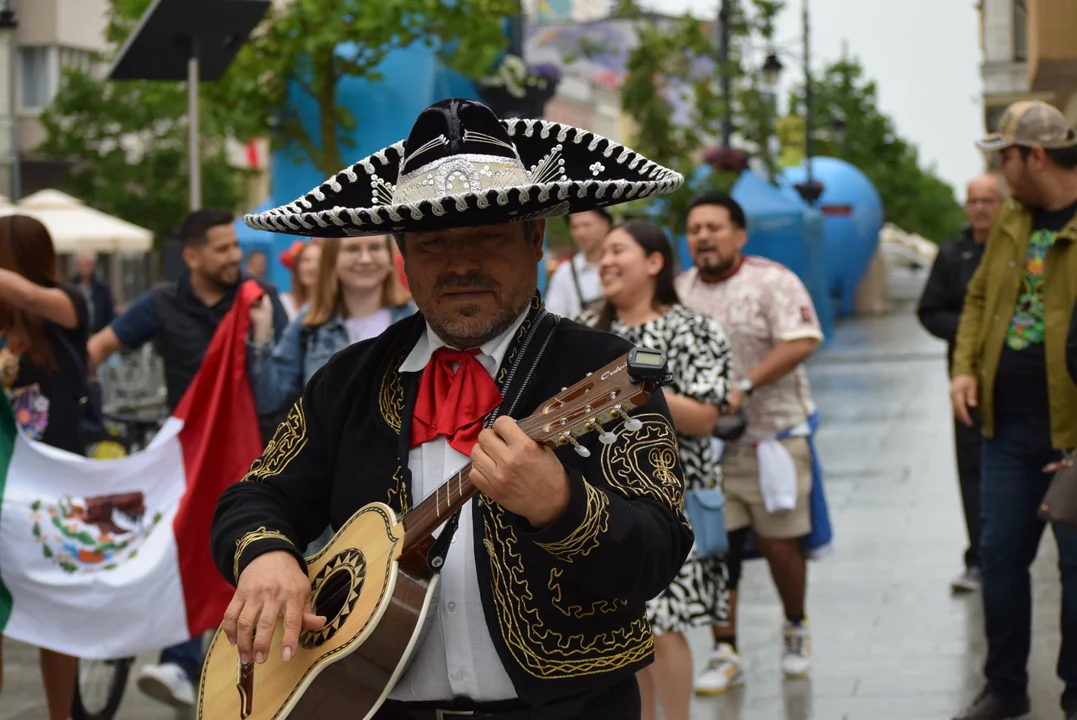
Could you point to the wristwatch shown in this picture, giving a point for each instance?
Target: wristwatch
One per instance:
(745, 386)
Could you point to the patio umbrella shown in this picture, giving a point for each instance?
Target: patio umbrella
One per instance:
(75, 226)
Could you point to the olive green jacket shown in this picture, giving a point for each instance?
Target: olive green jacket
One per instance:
(989, 306)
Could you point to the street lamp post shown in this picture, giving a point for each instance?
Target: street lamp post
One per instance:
(9, 24)
(811, 189)
(724, 13)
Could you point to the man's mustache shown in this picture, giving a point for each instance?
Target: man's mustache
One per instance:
(469, 282)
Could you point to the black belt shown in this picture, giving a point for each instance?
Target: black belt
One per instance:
(466, 710)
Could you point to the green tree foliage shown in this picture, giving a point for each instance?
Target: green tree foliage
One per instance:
(678, 53)
(915, 198)
(302, 42)
(128, 140)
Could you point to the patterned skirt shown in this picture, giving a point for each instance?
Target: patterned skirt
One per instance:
(697, 597)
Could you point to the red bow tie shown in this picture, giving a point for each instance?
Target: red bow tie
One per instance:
(451, 403)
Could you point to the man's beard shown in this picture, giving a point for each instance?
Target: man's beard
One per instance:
(463, 329)
(714, 270)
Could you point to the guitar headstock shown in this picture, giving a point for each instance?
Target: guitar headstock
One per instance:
(602, 398)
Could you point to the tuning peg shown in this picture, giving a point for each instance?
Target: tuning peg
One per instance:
(607, 437)
(570, 439)
(633, 424)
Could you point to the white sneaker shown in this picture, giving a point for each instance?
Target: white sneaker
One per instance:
(167, 683)
(968, 582)
(723, 672)
(796, 649)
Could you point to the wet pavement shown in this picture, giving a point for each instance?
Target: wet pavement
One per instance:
(889, 641)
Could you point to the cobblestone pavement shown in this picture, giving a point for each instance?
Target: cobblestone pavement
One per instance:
(890, 643)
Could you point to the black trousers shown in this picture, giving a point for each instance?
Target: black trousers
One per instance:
(968, 443)
(619, 702)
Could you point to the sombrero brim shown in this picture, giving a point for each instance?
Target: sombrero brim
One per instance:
(571, 170)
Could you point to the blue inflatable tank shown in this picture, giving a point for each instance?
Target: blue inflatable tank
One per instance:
(852, 216)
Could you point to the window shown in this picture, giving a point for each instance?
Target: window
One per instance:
(39, 76)
(1020, 31)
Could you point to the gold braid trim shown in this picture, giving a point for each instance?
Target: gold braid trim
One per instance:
(537, 648)
(287, 442)
(391, 395)
(398, 493)
(642, 463)
(577, 611)
(584, 538)
(252, 537)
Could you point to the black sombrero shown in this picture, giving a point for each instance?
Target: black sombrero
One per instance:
(462, 166)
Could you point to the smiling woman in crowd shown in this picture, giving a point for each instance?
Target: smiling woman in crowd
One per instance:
(357, 295)
(641, 306)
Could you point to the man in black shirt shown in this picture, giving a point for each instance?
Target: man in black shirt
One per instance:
(1010, 364)
(180, 319)
(940, 313)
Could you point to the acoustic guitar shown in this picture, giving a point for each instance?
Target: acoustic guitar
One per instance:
(374, 583)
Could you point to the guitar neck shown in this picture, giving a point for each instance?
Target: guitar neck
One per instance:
(429, 514)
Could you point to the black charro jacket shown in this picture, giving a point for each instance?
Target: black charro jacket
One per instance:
(565, 605)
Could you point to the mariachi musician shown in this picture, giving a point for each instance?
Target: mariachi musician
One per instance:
(540, 608)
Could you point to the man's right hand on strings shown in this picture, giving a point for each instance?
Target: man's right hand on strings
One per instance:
(271, 586)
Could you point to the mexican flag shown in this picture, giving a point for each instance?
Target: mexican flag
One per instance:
(110, 558)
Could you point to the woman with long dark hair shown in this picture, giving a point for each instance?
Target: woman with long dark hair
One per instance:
(642, 306)
(43, 333)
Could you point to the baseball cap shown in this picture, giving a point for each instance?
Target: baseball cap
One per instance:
(1029, 123)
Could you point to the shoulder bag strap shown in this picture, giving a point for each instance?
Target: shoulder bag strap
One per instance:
(576, 282)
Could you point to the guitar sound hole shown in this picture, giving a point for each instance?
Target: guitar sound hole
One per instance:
(335, 589)
(332, 595)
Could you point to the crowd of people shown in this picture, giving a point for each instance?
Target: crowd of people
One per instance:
(737, 413)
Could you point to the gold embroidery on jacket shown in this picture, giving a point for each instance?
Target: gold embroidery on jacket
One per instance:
(642, 463)
(391, 395)
(538, 649)
(583, 539)
(577, 611)
(398, 494)
(288, 441)
(254, 536)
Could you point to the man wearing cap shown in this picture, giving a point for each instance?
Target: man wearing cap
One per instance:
(539, 611)
(1010, 365)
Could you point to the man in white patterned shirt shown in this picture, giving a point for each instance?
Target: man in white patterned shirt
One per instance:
(772, 328)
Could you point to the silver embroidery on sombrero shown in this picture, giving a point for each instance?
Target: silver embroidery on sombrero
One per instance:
(465, 174)
(559, 194)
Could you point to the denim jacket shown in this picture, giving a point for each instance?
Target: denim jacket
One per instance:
(280, 372)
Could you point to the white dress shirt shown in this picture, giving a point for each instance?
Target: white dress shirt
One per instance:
(561, 297)
(455, 655)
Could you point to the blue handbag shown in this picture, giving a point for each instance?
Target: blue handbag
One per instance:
(706, 513)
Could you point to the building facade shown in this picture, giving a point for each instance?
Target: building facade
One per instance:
(1029, 52)
(50, 36)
